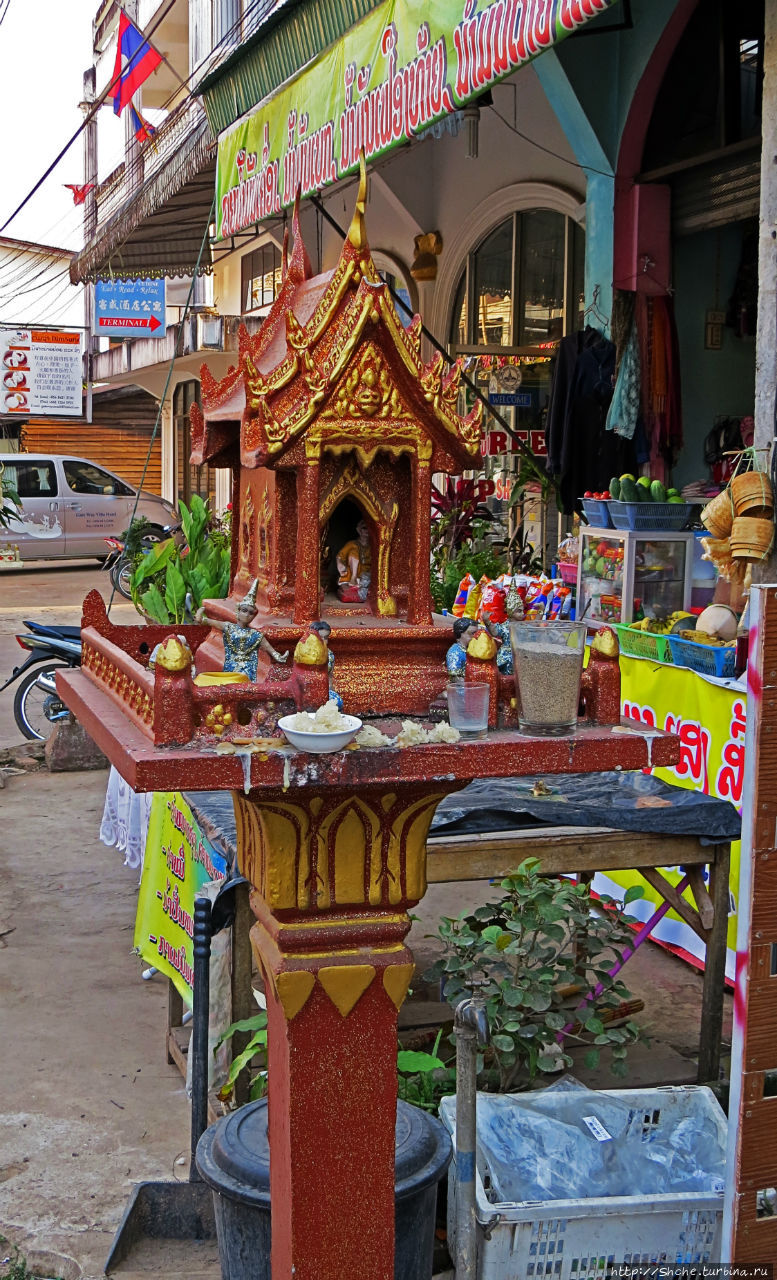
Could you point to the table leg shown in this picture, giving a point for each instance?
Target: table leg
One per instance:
(714, 969)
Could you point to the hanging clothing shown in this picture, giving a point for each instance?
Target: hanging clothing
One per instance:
(581, 453)
(661, 393)
(625, 405)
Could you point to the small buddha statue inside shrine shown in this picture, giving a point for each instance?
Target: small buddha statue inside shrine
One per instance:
(354, 567)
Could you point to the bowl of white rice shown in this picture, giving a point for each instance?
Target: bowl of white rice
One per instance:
(326, 729)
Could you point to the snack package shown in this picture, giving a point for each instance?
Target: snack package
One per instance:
(460, 602)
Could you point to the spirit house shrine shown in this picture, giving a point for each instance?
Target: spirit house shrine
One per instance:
(334, 427)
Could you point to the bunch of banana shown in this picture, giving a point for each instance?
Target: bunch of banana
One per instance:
(661, 625)
(703, 637)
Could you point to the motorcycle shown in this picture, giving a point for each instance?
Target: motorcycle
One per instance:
(37, 706)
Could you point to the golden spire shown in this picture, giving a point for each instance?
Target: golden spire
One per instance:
(357, 233)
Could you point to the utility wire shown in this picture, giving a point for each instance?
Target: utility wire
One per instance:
(266, 5)
(169, 375)
(586, 168)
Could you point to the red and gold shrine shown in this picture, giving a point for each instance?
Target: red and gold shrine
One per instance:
(332, 426)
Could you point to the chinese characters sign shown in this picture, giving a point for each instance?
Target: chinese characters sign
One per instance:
(129, 308)
(42, 372)
(404, 66)
(178, 862)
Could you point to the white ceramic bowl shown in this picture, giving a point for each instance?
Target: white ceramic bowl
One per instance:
(320, 742)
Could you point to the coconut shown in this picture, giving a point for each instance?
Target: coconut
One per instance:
(718, 620)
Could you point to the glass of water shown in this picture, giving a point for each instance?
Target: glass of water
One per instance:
(468, 708)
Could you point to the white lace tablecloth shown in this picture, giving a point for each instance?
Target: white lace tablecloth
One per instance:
(125, 820)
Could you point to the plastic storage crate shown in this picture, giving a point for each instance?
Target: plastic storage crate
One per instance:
(650, 517)
(707, 659)
(584, 1239)
(643, 644)
(597, 512)
(567, 573)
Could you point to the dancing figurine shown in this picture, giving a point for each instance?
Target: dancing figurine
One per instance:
(242, 642)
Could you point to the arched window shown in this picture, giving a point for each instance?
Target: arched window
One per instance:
(522, 286)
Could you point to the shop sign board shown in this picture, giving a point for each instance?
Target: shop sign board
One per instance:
(42, 372)
(129, 309)
(516, 399)
(709, 718)
(407, 64)
(178, 861)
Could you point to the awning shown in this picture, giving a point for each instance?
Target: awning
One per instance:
(160, 231)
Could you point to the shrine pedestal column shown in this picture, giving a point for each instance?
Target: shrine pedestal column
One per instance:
(333, 874)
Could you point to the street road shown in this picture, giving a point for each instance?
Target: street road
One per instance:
(48, 592)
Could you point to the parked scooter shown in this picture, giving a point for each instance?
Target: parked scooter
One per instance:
(37, 706)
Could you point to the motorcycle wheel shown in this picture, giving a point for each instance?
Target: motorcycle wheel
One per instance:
(31, 703)
(121, 576)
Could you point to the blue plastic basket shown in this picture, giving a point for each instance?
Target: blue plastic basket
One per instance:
(707, 659)
(597, 512)
(650, 517)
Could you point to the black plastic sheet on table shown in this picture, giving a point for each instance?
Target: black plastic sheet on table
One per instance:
(630, 801)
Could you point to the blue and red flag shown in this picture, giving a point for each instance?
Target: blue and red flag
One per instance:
(143, 130)
(135, 61)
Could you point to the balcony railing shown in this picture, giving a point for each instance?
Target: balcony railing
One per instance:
(203, 332)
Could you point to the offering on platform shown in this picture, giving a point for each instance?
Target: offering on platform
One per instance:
(326, 730)
(548, 665)
(468, 708)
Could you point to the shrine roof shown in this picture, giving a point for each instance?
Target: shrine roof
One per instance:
(333, 352)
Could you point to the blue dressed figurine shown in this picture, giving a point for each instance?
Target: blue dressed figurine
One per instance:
(242, 642)
(456, 657)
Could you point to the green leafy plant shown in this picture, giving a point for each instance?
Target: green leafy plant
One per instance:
(170, 582)
(253, 1058)
(477, 557)
(522, 953)
(423, 1078)
(13, 1266)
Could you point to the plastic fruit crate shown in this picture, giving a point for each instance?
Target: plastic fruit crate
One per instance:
(650, 517)
(643, 644)
(597, 512)
(584, 1239)
(707, 659)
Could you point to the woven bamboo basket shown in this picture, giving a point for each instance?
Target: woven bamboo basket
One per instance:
(718, 515)
(751, 493)
(751, 538)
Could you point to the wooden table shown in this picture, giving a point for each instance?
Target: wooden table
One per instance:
(561, 851)
(586, 850)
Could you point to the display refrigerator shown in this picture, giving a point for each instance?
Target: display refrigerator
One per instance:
(625, 574)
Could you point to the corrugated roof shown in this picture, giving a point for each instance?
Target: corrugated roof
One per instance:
(160, 231)
(284, 44)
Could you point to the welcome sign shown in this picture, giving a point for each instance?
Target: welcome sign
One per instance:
(404, 66)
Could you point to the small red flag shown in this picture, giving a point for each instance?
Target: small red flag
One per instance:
(79, 192)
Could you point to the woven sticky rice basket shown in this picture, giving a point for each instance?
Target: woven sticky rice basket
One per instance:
(751, 494)
(718, 515)
(751, 538)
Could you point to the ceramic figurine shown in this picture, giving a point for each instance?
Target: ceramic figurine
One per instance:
(242, 642)
(456, 657)
(354, 566)
(323, 631)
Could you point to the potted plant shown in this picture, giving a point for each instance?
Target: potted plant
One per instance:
(542, 957)
(171, 580)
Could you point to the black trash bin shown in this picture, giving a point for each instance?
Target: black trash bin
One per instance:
(233, 1157)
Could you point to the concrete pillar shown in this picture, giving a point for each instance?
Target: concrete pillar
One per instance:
(766, 340)
(167, 429)
(599, 207)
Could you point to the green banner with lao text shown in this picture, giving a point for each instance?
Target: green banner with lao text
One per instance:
(178, 861)
(404, 66)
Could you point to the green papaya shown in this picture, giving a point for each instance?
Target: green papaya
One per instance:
(627, 476)
(643, 494)
(644, 481)
(672, 493)
(601, 567)
(629, 490)
(615, 489)
(657, 491)
(677, 499)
